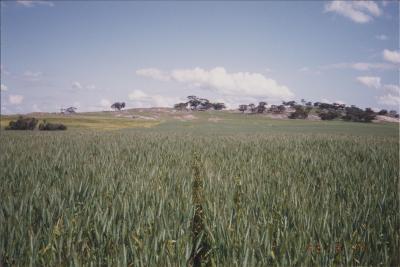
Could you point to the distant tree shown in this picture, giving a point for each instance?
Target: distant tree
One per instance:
(277, 109)
(69, 110)
(47, 126)
(356, 114)
(393, 114)
(200, 104)
(338, 106)
(193, 102)
(252, 108)
(22, 124)
(289, 103)
(261, 107)
(242, 108)
(218, 106)
(316, 104)
(329, 114)
(118, 105)
(181, 106)
(383, 112)
(300, 112)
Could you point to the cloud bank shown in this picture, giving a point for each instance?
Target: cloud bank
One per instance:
(15, 99)
(32, 3)
(391, 92)
(3, 88)
(370, 81)
(225, 83)
(391, 56)
(357, 11)
(142, 100)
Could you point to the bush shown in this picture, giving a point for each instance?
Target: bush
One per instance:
(47, 126)
(23, 124)
(356, 114)
(300, 113)
(328, 114)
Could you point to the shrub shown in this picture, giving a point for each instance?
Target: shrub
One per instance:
(383, 112)
(22, 124)
(301, 112)
(328, 114)
(356, 114)
(47, 126)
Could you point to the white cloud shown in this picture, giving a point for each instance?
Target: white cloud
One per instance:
(390, 100)
(3, 70)
(325, 100)
(33, 76)
(360, 66)
(227, 84)
(15, 99)
(32, 3)
(357, 11)
(137, 94)
(153, 73)
(391, 88)
(141, 99)
(304, 69)
(36, 108)
(105, 103)
(78, 85)
(309, 70)
(3, 88)
(391, 56)
(370, 81)
(381, 37)
(391, 92)
(268, 70)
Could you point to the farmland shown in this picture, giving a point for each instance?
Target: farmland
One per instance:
(276, 192)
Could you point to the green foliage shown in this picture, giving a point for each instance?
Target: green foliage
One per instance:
(356, 114)
(329, 114)
(81, 198)
(22, 124)
(47, 126)
(301, 112)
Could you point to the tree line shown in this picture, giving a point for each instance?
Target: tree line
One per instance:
(294, 110)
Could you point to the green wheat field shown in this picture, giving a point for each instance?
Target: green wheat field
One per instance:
(271, 192)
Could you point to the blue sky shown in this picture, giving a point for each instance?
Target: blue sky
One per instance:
(91, 54)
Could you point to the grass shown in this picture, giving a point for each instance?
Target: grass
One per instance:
(91, 122)
(275, 193)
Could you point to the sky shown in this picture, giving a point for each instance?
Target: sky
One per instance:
(90, 54)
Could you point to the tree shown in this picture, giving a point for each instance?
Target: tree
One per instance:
(393, 114)
(181, 106)
(261, 107)
(242, 108)
(218, 106)
(356, 114)
(277, 109)
(383, 112)
(252, 108)
(328, 114)
(22, 124)
(118, 105)
(69, 110)
(300, 112)
(289, 103)
(193, 102)
(47, 126)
